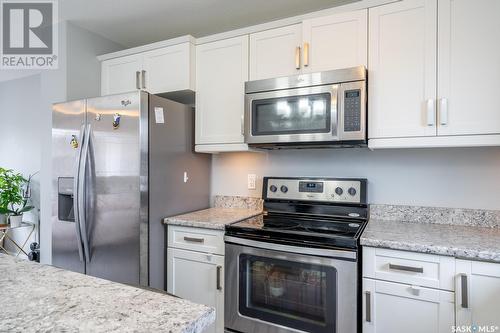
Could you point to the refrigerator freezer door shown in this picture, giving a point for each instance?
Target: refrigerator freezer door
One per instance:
(68, 121)
(113, 200)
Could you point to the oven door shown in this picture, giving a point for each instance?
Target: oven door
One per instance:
(293, 115)
(274, 288)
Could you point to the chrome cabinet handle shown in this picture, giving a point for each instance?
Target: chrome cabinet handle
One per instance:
(406, 268)
(137, 79)
(368, 301)
(465, 290)
(76, 193)
(194, 240)
(443, 111)
(431, 112)
(243, 125)
(297, 57)
(219, 271)
(306, 54)
(143, 72)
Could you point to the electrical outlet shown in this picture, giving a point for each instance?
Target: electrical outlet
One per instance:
(252, 179)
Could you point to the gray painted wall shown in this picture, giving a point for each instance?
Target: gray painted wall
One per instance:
(444, 177)
(19, 148)
(78, 76)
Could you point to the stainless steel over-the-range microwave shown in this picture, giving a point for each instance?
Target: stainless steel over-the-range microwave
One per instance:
(324, 109)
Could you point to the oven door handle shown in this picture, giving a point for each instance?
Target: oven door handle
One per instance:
(329, 253)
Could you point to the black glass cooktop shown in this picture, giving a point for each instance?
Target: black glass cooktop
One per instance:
(298, 230)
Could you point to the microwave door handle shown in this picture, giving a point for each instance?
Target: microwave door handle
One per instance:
(336, 111)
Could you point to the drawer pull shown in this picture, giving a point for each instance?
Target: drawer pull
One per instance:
(194, 240)
(406, 268)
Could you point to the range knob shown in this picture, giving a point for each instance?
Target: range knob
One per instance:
(339, 191)
(284, 189)
(352, 191)
(273, 188)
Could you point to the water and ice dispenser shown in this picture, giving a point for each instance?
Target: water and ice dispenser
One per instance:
(65, 188)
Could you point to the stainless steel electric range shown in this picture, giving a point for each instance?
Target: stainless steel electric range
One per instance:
(296, 268)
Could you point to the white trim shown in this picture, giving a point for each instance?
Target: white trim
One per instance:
(436, 142)
(224, 148)
(148, 47)
(362, 4)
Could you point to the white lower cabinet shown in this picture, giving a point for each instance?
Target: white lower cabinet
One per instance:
(395, 307)
(416, 292)
(478, 295)
(195, 274)
(198, 277)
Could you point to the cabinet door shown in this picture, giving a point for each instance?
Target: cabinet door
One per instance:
(169, 69)
(336, 41)
(402, 69)
(276, 52)
(121, 74)
(478, 294)
(469, 67)
(198, 277)
(221, 72)
(393, 308)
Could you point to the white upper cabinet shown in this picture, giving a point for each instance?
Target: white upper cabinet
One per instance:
(434, 74)
(334, 42)
(478, 293)
(221, 72)
(402, 69)
(469, 67)
(166, 69)
(276, 52)
(169, 69)
(121, 74)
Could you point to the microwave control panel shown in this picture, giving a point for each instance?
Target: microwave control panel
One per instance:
(352, 110)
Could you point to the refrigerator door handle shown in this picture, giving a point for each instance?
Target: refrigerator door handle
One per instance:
(76, 193)
(82, 213)
(91, 192)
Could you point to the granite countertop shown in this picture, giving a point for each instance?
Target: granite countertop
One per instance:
(212, 218)
(473, 236)
(42, 298)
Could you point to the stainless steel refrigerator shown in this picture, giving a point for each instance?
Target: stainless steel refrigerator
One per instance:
(121, 164)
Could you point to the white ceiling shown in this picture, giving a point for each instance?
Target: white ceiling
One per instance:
(137, 22)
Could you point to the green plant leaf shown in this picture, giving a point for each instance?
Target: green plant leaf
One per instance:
(25, 209)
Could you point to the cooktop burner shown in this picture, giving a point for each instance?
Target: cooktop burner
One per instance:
(311, 225)
(325, 213)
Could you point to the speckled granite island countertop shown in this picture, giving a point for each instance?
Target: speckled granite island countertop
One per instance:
(461, 233)
(42, 298)
(227, 210)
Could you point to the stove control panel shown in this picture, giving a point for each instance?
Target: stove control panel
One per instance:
(335, 190)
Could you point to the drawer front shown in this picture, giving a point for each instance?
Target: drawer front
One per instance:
(196, 239)
(409, 267)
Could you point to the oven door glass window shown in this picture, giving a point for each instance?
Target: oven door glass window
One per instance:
(292, 115)
(287, 293)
